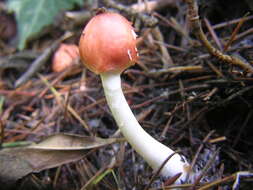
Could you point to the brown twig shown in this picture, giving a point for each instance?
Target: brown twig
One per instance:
(213, 33)
(166, 58)
(177, 69)
(234, 34)
(225, 24)
(150, 6)
(232, 177)
(146, 19)
(40, 61)
(200, 148)
(197, 30)
(174, 178)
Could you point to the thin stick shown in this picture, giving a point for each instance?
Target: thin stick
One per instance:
(197, 30)
(40, 61)
(233, 36)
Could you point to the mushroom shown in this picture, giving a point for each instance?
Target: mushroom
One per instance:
(107, 47)
(65, 56)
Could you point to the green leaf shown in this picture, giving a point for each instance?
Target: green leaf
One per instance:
(33, 15)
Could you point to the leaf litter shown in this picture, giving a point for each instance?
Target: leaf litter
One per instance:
(51, 152)
(183, 95)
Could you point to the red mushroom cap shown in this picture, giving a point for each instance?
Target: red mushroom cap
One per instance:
(108, 44)
(65, 56)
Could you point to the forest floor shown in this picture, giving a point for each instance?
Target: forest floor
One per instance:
(190, 90)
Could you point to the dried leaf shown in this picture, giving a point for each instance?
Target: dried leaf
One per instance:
(72, 142)
(52, 152)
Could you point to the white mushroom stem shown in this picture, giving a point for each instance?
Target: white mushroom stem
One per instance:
(154, 152)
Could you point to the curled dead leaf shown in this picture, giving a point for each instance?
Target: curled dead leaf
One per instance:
(53, 151)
